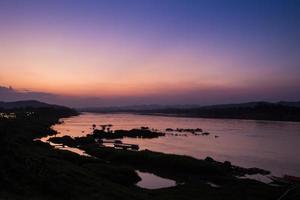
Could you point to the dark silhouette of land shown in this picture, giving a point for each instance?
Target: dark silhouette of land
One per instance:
(281, 111)
(27, 104)
(31, 169)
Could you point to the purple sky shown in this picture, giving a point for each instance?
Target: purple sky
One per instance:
(101, 53)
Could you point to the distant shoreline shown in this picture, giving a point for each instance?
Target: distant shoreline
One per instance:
(281, 111)
(190, 116)
(185, 116)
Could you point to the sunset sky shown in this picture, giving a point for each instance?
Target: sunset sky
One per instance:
(151, 51)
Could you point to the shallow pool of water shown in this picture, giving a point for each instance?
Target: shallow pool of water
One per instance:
(151, 181)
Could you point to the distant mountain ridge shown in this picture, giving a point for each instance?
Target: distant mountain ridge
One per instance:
(255, 103)
(26, 104)
(280, 111)
(287, 103)
(163, 107)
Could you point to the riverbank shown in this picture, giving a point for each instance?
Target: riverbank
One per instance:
(35, 170)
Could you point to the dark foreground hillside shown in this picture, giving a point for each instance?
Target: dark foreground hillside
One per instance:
(31, 169)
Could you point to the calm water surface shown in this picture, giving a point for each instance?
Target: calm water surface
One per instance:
(273, 146)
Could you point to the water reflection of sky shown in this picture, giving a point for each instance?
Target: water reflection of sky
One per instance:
(249, 143)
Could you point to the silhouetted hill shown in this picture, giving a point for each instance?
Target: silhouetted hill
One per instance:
(281, 111)
(287, 103)
(253, 110)
(254, 104)
(25, 104)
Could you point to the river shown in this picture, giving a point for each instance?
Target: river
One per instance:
(270, 145)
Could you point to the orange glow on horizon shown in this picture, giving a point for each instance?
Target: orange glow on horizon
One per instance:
(71, 67)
